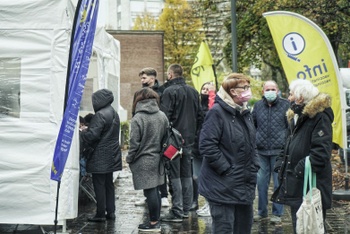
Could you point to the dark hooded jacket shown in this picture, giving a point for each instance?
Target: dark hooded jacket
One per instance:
(103, 135)
(310, 136)
(230, 160)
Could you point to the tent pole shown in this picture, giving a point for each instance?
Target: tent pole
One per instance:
(56, 211)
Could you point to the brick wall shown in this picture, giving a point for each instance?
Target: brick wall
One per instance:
(138, 49)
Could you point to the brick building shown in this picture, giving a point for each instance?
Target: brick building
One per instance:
(138, 49)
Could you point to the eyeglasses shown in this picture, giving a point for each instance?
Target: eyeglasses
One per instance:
(246, 87)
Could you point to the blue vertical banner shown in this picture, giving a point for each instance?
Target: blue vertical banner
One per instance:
(84, 27)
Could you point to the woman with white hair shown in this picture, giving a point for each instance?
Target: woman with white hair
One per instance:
(310, 134)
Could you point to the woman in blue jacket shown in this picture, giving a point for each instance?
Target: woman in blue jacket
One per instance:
(230, 162)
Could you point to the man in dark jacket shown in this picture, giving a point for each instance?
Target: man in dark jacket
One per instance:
(270, 120)
(148, 78)
(103, 135)
(181, 105)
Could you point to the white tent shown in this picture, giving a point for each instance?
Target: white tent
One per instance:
(34, 48)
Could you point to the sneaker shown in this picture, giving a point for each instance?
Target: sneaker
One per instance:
(203, 207)
(140, 202)
(205, 212)
(171, 217)
(185, 215)
(148, 227)
(257, 218)
(275, 219)
(165, 202)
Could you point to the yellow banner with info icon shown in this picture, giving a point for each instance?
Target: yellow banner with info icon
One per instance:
(306, 53)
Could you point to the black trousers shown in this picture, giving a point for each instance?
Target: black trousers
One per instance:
(153, 203)
(230, 218)
(105, 194)
(163, 188)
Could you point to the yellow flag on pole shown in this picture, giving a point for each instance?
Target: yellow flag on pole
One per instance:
(306, 53)
(202, 69)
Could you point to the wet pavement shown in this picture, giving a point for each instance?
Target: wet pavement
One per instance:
(130, 216)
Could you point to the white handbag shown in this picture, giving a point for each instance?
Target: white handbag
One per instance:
(309, 215)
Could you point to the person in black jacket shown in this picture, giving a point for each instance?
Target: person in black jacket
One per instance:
(230, 159)
(103, 135)
(148, 76)
(270, 120)
(207, 94)
(181, 105)
(310, 134)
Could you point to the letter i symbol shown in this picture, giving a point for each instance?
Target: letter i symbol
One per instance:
(293, 44)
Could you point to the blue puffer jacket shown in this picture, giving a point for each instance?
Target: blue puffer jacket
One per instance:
(271, 125)
(230, 161)
(103, 135)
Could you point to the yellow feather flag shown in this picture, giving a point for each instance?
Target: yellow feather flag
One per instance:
(306, 53)
(202, 70)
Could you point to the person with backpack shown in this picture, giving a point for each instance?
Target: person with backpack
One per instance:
(148, 76)
(148, 127)
(181, 104)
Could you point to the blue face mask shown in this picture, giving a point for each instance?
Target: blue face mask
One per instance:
(270, 96)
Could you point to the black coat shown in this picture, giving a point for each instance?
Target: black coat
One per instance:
(103, 135)
(227, 142)
(180, 103)
(310, 136)
(156, 88)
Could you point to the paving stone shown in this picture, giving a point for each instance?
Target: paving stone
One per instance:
(129, 216)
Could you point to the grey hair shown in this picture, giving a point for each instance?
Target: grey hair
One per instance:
(303, 88)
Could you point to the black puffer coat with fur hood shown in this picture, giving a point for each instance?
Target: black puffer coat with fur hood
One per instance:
(310, 136)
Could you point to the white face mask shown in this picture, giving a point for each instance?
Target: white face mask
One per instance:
(270, 96)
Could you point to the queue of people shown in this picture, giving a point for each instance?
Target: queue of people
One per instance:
(229, 150)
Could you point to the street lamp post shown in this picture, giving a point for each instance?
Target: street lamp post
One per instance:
(233, 35)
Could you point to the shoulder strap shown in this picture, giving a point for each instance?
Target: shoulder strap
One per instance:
(309, 177)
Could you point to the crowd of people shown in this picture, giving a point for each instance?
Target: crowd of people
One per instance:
(230, 149)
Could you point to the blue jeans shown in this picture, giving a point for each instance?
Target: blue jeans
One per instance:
(230, 218)
(267, 164)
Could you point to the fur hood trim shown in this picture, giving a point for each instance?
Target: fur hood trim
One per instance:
(315, 106)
